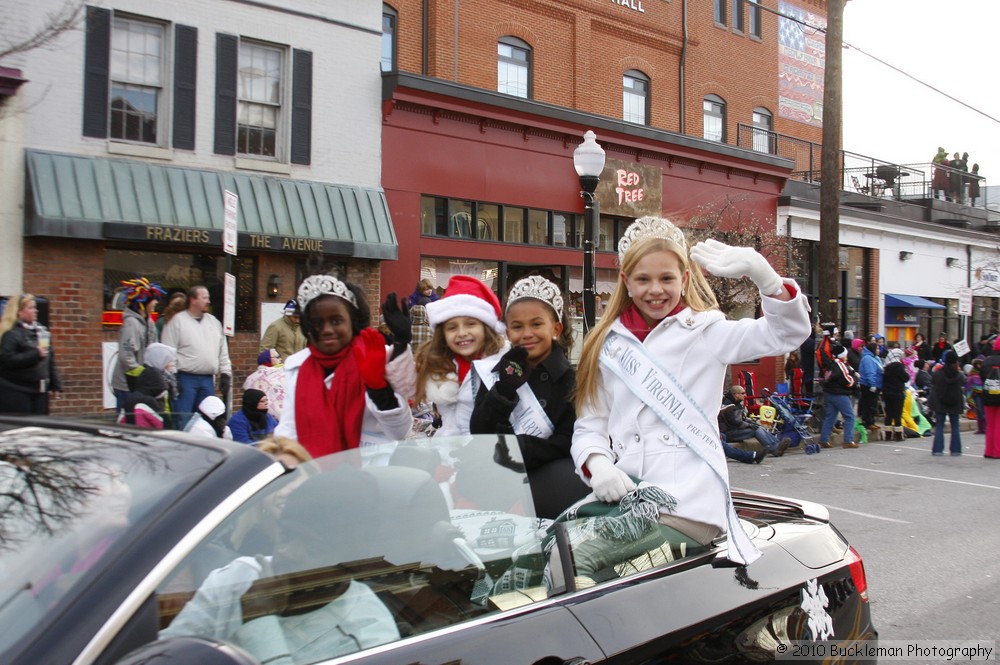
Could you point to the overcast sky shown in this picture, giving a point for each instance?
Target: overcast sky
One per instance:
(953, 45)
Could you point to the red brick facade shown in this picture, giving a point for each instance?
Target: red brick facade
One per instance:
(70, 275)
(581, 48)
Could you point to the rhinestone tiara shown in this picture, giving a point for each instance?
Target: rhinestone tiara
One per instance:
(539, 288)
(649, 227)
(320, 285)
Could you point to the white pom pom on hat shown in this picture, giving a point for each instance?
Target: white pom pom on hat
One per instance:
(466, 296)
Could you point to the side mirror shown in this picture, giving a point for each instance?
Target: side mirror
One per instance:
(183, 650)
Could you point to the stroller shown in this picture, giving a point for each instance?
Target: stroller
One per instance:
(792, 421)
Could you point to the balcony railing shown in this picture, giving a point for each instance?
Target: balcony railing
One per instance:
(869, 176)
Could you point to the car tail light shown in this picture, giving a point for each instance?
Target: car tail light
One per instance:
(857, 567)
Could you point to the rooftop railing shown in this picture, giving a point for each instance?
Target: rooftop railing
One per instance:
(870, 176)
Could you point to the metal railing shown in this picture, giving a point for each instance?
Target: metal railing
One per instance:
(869, 176)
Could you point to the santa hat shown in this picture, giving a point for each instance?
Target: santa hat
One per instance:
(466, 296)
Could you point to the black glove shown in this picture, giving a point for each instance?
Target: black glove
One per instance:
(225, 384)
(501, 455)
(513, 369)
(397, 318)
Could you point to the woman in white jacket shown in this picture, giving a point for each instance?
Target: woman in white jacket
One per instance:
(346, 389)
(650, 379)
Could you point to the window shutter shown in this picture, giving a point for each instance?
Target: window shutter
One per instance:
(226, 74)
(301, 152)
(185, 84)
(97, 69)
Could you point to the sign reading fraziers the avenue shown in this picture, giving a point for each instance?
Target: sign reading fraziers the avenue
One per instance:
(250, 241)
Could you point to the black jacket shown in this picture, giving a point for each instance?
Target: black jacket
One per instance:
(734, 417)
(948, 390)
(21, 367)
(841, 380)
(894, 379)
(552, 381)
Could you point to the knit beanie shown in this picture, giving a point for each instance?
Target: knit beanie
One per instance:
(838, 351)
(467, 296)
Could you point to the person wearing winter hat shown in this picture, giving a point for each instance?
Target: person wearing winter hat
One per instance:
(138, 331)
(870, 369)
(285, 334)
(346, 389)
(894, 380)
(990, 372)
(209, 419)
(252, 422)
(650, 377)
(838, 386)
(948, 402)
(269, 377)
(466, 325)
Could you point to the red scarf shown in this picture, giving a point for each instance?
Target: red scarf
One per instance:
(632, 319)
(463, 366)
(328, 421)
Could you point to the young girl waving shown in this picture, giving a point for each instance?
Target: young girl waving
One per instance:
(465, 326)
(339, 390)
(650, 378)
(529, 393)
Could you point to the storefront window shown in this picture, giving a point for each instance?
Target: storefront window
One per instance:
(488, 221)
(513, 224)
(460, 220)
(433, 216)
(607, 241)
(562, 228)
(440, 270)
(985, 314)
(179, 272)
(538, 227)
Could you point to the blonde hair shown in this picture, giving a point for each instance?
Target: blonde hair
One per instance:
(282, 445)
(10, 312)
(435, 360)
(698, 296)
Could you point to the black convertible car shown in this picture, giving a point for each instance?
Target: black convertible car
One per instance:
(119, 545)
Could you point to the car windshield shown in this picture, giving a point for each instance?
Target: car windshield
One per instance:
(367, 547)
(67, 498)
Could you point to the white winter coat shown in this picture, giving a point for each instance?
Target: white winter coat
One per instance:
(376, 426)
(696, 347)
(454, 400)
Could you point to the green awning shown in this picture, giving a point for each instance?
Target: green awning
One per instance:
(100, 198)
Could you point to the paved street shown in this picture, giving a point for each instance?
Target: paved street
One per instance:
(926, 527)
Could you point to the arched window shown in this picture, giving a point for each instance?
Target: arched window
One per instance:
(715, 118)
(514, 67)
(635, 97)
(389, 20)
(763, 131)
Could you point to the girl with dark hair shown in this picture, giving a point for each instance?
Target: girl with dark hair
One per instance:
(346, 389)
(528, 393)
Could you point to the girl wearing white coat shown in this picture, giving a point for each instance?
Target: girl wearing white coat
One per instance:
(650, 379)
(467, 335)
(346, 389)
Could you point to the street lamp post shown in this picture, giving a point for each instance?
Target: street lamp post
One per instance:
(588, 160)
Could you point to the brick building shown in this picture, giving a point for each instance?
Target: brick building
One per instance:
(119, 146)
(484, 103)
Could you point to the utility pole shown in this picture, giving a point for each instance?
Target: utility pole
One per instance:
(831, 178)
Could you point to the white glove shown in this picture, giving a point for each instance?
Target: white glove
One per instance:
(734, 262)
(609, 483)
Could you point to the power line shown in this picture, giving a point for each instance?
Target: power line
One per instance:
(881, 62)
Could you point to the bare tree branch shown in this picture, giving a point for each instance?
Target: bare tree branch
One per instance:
(57, 22)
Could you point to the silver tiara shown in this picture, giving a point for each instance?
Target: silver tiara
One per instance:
(321, 285)
(539, 288)
(649, 227)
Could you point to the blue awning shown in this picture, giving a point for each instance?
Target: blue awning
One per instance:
(911, 302)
